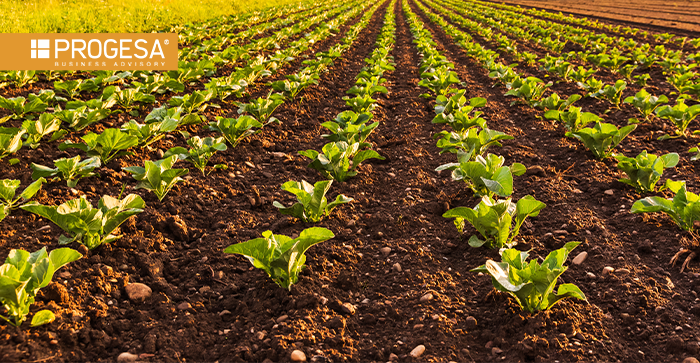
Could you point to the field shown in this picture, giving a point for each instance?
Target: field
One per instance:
(681, 15)
(395, 283)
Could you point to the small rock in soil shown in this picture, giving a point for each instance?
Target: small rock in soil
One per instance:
(282, 318)
(298, 356)
(127, 357)
(496, 350)
(385, 251)
(690, 360)
(580, 258)
(417, 351)
(609, 192)
(138, 292)
(394, 357)
(396, 267)
(179, 228)
(427, 297)
(470, 322)
(622, 271)
(56, 292)
(342, 308)
(336, 323)
(184, 306)
(607, 270)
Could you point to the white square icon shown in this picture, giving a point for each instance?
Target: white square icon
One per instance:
(40, 48)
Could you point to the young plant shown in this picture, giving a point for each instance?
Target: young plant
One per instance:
(681, 115)
(612, 93)
(573, 119)
(127, 98)
(350, 127)
(8, 189)
(455, 111)
(531, 284)
(361, 103)
(295, 83)
(684, 208)
(602, 138)
(281, 257)
(81, 117)
(493, 219)
(88, 225)
(645, 103)
(439, 80)
(69, 169)
(201, 150)
(10, 140)
(157, 176)
(470, 141)
(108, 145)
(262, 108)
(190, 105)
(22, 107)
(22, 276)
(530, 90)
(339, 160)
(36, 130)
(555, 103)
(311, 205)
(234, 130)
(591, 85)
(485, 175)
(645, 170)
(69, 88)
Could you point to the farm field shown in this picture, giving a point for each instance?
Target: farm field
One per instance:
(681, 15)
(421, 91)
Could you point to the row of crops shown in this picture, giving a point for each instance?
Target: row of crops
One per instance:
(603, 85)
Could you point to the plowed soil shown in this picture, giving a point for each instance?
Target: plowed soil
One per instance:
(355, 301)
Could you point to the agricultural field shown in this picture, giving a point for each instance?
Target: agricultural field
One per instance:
(684, 15)
(462, 180)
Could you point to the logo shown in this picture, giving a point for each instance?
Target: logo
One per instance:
(40, 48)
(61, 51)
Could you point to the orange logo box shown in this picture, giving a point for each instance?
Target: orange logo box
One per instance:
(56, 51)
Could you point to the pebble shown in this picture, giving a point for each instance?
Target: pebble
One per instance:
(496, 350)
(427, 297)
(184, 306)
(250, 164)
(607, 270)
(623, 271)
(580, 258)
(609, 192)
(138, 292)
(391, 175)
(417, 351)
(393, 357)
(590, 275)
(385, 251)
(690, 360)
(127, 357)
(396, 267)
(471, 322)
(282, 318)
(298, 356)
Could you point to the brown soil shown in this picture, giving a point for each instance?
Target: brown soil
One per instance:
(236, 313)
